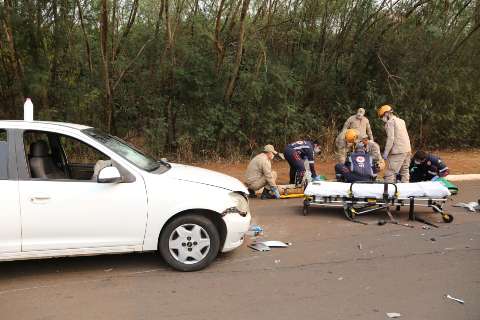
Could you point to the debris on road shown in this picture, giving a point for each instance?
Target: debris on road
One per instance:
(470, 206)
(340, 278)
(254, 230)
(433, 239)
(359, 246)
(268, 244)
(454, 299)
(277, 261)
(108, 270)
(275, 244)
(259, 246)
(393, 315)
(426, 228)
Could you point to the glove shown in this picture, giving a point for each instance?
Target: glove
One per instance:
(317, 178)
(385, 156)
(435, 178)
(275, 192)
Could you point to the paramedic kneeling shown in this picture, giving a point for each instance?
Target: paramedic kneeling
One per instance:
(427, 167)
(259, 174)
(358, 167)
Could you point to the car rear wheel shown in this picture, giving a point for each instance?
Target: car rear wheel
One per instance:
(189, 243)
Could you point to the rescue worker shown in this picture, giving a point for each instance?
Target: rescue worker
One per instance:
(358, 167)
(427, 167)
(397, 147)
(359, 122)
(373, 149)
(296, 153)
(344, 143)
(259, 174)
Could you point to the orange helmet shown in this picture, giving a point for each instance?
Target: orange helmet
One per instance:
(381, 110)
(351, 135)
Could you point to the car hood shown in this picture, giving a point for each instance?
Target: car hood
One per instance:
(206, 177)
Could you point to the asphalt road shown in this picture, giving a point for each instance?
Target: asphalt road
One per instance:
(334, 269)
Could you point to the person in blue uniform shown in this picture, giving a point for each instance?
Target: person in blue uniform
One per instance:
(296, 153)
(358, 167)
(427, 167)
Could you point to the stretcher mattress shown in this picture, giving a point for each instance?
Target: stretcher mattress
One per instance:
(428, 189)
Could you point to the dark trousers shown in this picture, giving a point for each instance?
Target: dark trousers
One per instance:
(418, 176)
(297, 165)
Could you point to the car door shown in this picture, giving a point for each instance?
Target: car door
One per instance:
(73, 212)
(10, 225)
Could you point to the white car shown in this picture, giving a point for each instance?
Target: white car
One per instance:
(68, 190)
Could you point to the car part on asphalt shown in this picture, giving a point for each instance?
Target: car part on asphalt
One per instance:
(454, 299)
(275, 244)
(470, 206)
(254, 230)
(393, 315)
(259, 246)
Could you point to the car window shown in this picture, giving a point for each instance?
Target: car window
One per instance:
(29, 137)
(123, 149)
(53, 156)
(78, 152)
(3, 155)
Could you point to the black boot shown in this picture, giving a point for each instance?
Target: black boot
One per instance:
(251, 193)
(266, 194)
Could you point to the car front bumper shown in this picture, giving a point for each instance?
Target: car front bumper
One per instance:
(237, 226)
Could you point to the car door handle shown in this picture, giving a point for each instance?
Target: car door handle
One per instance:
(40, 199)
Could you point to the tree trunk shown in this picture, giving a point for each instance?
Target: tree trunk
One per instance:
(238, 57)
(105, 65)
(15, 63)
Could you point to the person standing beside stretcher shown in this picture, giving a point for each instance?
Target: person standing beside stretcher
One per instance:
(296, 153)
(344, 144)
(373, 149)
(397, 148)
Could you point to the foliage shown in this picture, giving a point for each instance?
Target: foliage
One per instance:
(158, 72)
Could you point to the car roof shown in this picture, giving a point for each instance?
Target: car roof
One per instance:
(39, 125)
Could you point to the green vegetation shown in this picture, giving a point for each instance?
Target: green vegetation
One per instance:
(216, 77)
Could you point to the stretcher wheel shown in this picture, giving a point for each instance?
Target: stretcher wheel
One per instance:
(447, 218)
(350, 213)
(306, 204)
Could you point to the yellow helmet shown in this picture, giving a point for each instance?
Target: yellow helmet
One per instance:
(381, 110)
(351, 135)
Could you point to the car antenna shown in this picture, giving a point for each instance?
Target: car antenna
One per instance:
(28, 110)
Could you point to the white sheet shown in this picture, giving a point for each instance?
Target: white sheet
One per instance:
(429, 189)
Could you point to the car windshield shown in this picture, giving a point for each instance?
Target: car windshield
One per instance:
(124, 149)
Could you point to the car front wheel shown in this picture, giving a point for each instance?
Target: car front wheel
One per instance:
(189, 243)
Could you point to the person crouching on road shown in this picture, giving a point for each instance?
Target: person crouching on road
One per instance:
(427, 167)
(373, 149)
(259, 174)
(360, 123)
(296, 153)
(397, 148)
(344, 144)
(358, 167)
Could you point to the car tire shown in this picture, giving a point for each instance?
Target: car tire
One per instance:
(189, 243)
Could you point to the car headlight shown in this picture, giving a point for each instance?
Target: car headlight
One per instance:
(241, 204)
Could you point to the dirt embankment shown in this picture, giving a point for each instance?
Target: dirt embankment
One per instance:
(459, 162)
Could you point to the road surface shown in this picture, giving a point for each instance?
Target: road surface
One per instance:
(334, 269)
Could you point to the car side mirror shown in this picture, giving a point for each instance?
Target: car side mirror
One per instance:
(109, 175)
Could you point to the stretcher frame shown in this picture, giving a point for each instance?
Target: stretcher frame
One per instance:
(356, 206)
